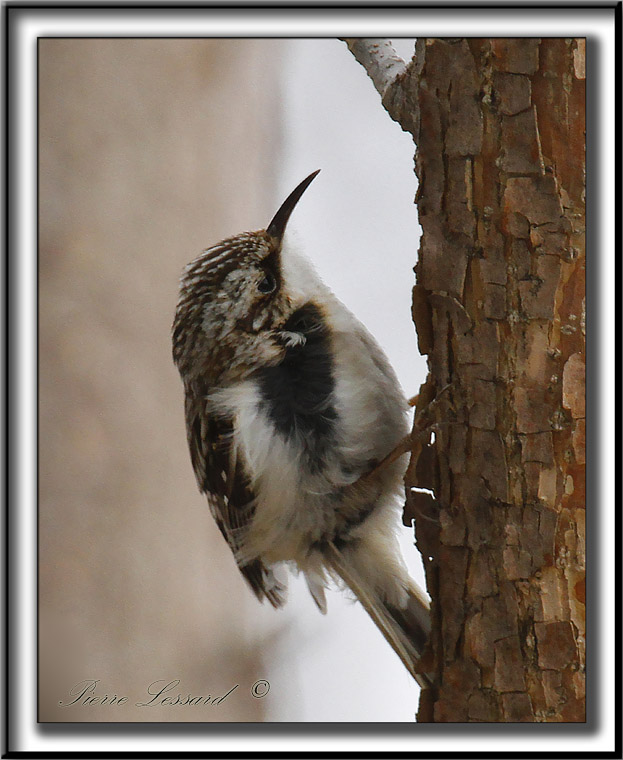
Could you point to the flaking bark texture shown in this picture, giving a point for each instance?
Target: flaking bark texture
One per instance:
(499, 310)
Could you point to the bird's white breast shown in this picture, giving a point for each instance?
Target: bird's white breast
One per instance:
(290, 508)
(295, 504)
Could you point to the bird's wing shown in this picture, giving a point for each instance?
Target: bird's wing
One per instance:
(221, 475)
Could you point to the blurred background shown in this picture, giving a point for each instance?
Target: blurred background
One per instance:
(150, 150)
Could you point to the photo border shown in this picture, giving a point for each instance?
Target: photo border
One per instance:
(21, 297)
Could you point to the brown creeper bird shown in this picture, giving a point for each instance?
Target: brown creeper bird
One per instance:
(292, 414)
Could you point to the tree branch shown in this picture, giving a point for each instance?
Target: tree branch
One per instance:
(388, 72)
(378, 58)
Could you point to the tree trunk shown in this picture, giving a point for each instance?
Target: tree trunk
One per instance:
(499, 310)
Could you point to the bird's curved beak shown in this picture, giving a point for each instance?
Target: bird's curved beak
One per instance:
(278, 224)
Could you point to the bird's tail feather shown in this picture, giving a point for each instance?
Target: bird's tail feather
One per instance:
(405, 630)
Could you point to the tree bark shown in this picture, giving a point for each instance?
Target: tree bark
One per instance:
(499, 310)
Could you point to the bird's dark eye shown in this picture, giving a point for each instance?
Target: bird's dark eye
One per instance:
(268, 284)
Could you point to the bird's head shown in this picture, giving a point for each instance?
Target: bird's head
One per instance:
(230, 296)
